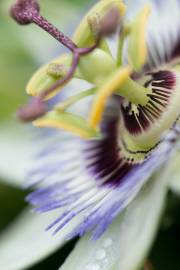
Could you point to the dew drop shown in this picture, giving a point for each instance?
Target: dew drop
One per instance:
(92, 267)
(107, 242)
(100, 254)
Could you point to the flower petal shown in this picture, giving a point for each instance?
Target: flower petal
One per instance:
(16, 149)
(69, 122)
(116, 249)
(163, 35)
(25, 242)
(67, 182)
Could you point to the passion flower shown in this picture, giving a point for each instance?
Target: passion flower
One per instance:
(101, 162)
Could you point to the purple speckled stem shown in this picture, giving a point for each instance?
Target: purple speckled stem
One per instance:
(53, 31)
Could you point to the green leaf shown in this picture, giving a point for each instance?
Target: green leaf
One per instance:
(125, 245)
(25, 242)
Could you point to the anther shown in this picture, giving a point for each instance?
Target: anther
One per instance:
(57, 70)
(109, 23)
(107, 26)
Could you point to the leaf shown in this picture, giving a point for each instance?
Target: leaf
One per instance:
(126, 243)
(25, 242)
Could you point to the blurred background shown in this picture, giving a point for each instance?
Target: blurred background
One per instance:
(22, 51)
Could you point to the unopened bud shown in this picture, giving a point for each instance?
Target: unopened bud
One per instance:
(23, 11)
(32, 111)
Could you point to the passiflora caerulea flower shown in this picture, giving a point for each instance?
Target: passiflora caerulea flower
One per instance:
(127, 123)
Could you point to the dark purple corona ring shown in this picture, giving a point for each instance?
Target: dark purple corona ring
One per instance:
(96, 179)
(162, 83)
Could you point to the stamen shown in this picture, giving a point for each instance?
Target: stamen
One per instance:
(137, 48)
(63, 80)
(30, 112)
(57, 70)
(68, 122)
(110, 86)
(110, 22)
(44, 77)
(85, 35)
(27, 11)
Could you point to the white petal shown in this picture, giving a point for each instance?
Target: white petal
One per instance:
(15, 152)
(125, 245)
(25, 242)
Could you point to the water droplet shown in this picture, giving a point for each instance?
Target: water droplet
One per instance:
(100, 254)
(107, 242)
(92, 267)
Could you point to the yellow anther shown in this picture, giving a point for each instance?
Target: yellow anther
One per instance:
(42, 80)
(113, 83)
(137, 40)
(68, 122)
(83, 35)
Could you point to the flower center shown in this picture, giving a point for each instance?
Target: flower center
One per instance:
(146, 109)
